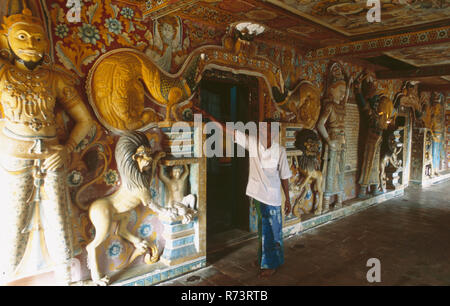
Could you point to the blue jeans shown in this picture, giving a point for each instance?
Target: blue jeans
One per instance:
(270, 235)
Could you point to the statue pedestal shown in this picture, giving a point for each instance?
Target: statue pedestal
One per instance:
(394, 176)
(180, 241)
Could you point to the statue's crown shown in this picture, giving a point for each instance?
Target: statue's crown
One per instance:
(25, 17)
(337, 73)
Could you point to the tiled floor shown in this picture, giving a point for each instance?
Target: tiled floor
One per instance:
(410, 236)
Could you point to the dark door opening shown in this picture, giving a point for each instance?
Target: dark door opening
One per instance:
(227, 203)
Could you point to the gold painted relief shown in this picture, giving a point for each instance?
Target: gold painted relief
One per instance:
(34, 160)
(302, 106)
(117, 86)
(122, 81)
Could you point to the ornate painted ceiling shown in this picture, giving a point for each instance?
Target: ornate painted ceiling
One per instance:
(282, 26)
(307, 24)
(349, 16)
(412, 32)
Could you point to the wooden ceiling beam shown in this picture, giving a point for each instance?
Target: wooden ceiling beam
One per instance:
(434, 87)
(382, 44)
(420, 72)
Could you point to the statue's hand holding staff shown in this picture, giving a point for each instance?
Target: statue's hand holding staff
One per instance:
(56, 160)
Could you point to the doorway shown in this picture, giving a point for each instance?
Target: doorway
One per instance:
(227, 204)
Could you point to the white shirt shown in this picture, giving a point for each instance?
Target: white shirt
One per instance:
(267, 168)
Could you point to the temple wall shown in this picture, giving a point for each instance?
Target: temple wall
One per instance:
(108, 25)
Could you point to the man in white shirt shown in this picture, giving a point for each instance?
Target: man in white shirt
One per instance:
(269, 170)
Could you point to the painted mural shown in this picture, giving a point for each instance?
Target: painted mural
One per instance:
(300, 34)
(165, 60)
(110, 25)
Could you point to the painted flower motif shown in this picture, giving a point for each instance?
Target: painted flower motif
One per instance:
(388, 43)
(318, 77)
(404, 40)
(114, 249)
(145, 230)
(74, 178)
(113, 25)
(88, 34)
(276, 115)
(127, 12)
(442, 33)
(111, 177)
(61, 30)
(423, 37)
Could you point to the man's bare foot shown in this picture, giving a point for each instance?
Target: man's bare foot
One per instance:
(266, 273)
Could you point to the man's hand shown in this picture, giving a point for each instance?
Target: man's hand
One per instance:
(212, 118)
(287, 202)
(203, 112)
(287, 207)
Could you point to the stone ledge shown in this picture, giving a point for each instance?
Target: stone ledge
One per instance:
(164, 273)
(435, 180)
(349, 207)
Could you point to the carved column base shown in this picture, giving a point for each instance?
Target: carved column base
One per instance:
(326, 204)
(180, 241)
(339, 198)
(363, 192)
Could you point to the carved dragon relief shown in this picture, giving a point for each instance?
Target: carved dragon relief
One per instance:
(123, 80)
